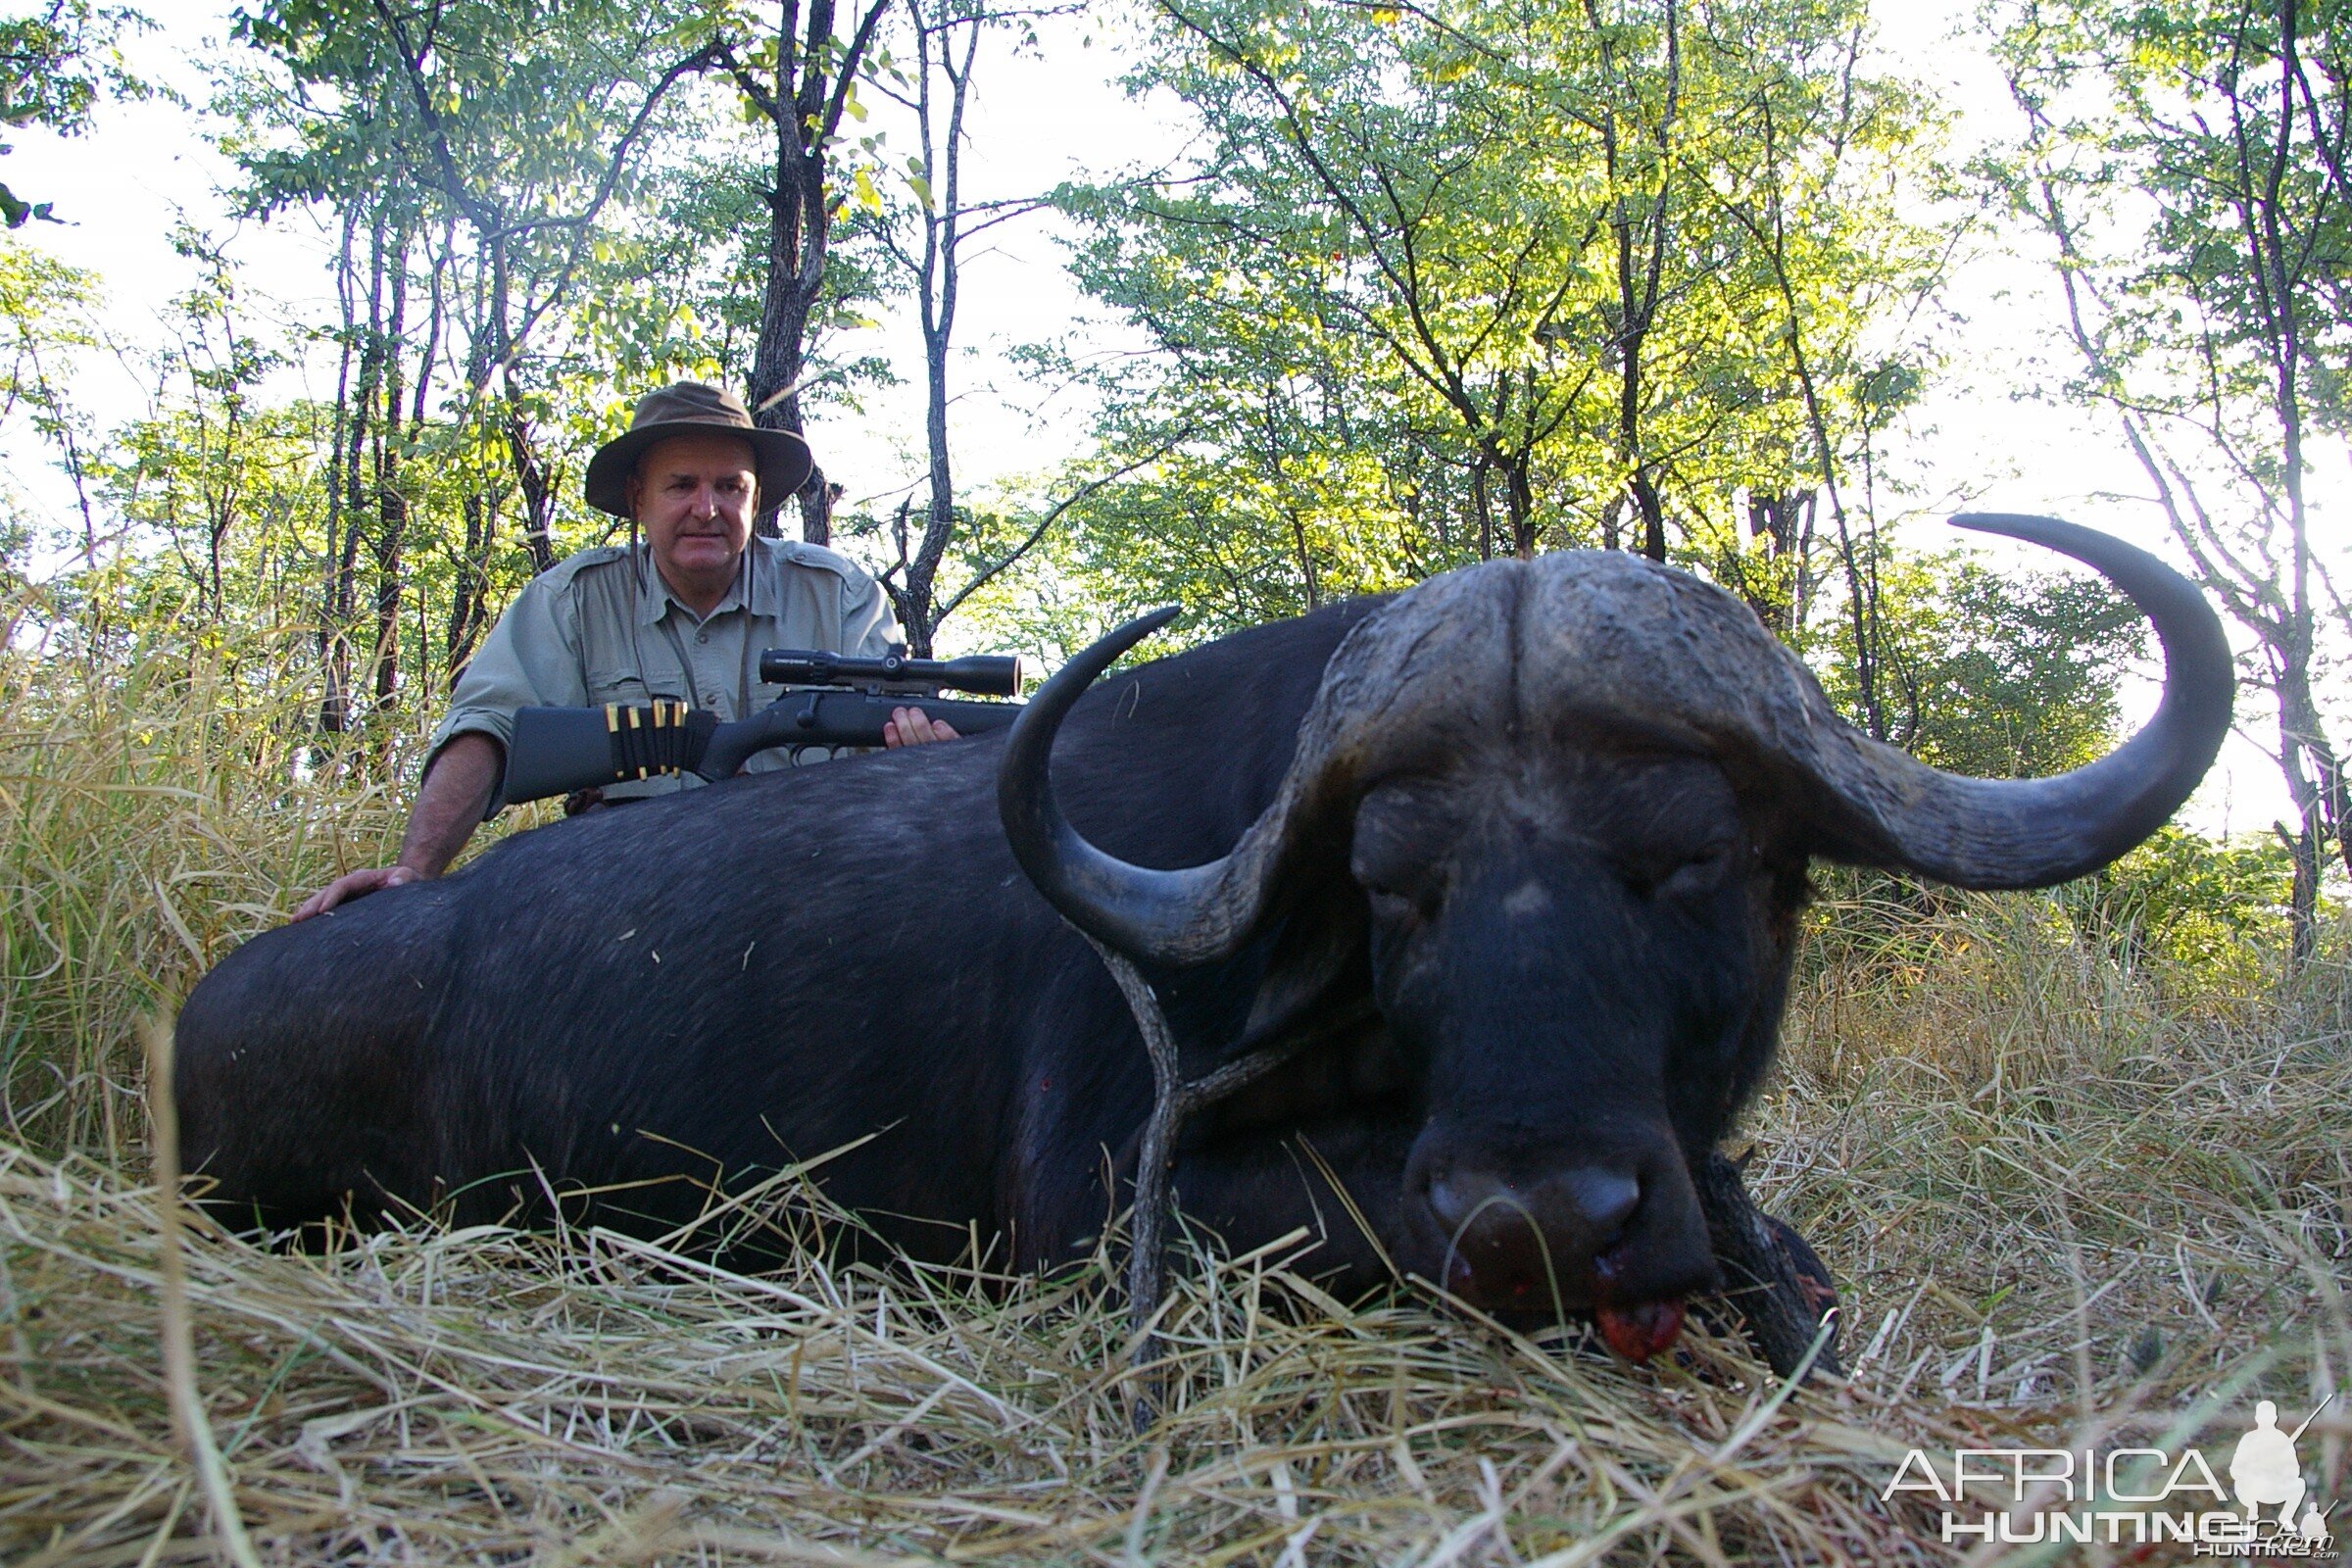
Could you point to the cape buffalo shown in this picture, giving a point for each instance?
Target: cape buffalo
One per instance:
(1518, 856)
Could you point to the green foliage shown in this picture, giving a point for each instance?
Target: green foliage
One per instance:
(45, 309)
(506, 268)
(676, 294)
(1245, 534)
(1996, 674)
(56, 64)
(2191, 900)
(46, 326)
(2203, 919)
(232, 500)
(537, 223)
(1459, 281)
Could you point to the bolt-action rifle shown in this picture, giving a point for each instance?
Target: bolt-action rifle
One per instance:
(835, 700)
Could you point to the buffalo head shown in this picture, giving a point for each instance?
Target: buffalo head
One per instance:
(1564, 807)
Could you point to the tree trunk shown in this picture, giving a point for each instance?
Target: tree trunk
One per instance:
(937, 274)
(391, 507)
(470, 581)
(332, 679)
(802, 103)
(1479, 504)
(2317, 790)
(935, 283)
(534, 481)
(1638, 283)
(359, 436)
(1785, 521)
(2309, 765)
(465, 605)
(1519, 501)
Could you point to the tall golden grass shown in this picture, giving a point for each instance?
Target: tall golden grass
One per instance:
(156, 801)
(163, 795)
(2069, 1201)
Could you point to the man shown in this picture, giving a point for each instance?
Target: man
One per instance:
(2264, 1470)
(684, 618)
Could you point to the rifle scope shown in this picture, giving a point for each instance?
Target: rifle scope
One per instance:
(996, 676)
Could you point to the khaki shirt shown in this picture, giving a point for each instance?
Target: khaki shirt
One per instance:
(601, 627)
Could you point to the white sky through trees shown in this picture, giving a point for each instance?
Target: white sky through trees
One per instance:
(1982, 437)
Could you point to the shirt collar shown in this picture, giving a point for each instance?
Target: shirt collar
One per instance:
(654, 600)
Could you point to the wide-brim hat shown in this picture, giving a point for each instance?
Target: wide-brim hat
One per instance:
(780, 459)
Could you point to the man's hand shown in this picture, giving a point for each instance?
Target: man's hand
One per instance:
(356, 885)
(449, 803)
(912, 726)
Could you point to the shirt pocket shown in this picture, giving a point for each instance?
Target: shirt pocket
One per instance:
(625, 686)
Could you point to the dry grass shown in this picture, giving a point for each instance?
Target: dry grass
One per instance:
(135, 783)
(160, 802)
(2067, 1202)
(489, 1396)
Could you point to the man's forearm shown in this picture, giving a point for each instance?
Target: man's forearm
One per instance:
(450, 802)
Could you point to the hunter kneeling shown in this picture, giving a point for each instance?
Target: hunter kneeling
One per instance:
(682, 617)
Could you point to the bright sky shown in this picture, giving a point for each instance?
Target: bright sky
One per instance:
(1980, 439)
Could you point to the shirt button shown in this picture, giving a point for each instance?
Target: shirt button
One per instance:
(710, 699)
(701, 636)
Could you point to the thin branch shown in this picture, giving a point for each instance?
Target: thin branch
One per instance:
(980, 578)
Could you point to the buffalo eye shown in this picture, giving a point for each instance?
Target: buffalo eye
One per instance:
(1698, 871)
(1404, 890)
(1405, 906)
(1404, 831)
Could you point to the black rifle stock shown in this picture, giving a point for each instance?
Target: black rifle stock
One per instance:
(554, 751)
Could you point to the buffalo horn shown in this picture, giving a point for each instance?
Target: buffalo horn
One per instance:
(2030, 833)
(1182, 917)
(1607, 634)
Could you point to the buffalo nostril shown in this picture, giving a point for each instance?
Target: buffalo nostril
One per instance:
(1593, 1203)
(1604, 1200)
(1479, 1208)
(1456, 1199)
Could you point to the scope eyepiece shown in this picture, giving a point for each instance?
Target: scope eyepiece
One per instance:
(991, 674)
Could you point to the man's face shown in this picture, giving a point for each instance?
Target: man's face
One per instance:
(694, 495)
